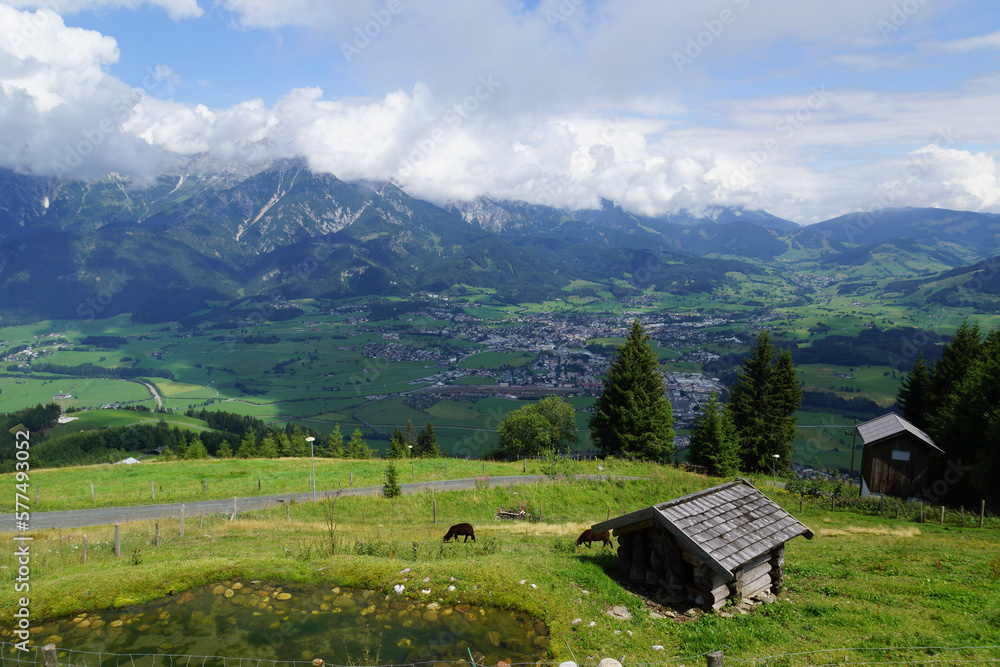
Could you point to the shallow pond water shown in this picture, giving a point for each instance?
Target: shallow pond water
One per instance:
(269, 621)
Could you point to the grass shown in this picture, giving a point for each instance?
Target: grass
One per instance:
(863, 583)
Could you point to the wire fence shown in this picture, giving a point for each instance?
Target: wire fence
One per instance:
(10, 656)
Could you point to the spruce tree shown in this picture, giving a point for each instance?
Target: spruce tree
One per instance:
(397, 446)
(632, 417)
(391, 487)
(914, 395)
(427, 443)
(761, 402)
(714, 444)
(357, 448)
(335, 448)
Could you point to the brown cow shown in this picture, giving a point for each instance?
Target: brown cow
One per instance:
(590, 536)
(461, 529)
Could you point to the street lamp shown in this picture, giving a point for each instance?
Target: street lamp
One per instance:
(312, 454)
(774, 470)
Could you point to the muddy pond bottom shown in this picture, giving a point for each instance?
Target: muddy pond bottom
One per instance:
(268, 621)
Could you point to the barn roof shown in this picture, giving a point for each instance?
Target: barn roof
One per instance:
(890, 425)
(726, 526)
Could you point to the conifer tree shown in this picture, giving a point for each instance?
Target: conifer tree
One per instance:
(714, 444)
(632, 417)
(358, 448)
(427, 443)
(335, 446)
(391, 487)
(914, 396)
(761, 402)
(248, 446)
(397, 446)
(225, 450)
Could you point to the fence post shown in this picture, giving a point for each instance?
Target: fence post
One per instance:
(157, 524)
(49, 655)
(118, 540)
(942, 515)
(258, 482)
(204, 486)
(288, 510)
(201, 520)
(152, 490)
(715, 659)
(182, 520)
(963, 516)
(84, 549)
(435, 503)
(93, 496)
(982, 512)
(233, 517)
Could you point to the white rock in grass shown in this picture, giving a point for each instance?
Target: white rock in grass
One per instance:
(399, 588)
(451, 588)
(524, 581)
(577, 621)
(609, 662)
(591, 624)
(568, 663)
(425, 591)
(657, 647)
(534, 586)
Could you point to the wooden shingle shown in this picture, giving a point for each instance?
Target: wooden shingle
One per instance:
(726, 526)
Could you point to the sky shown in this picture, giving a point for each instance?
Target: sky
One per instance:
(805, 109)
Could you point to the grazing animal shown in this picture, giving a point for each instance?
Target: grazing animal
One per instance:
(590, 536)
(461, 529)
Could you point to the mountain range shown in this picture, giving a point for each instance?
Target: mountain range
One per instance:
(205, 234)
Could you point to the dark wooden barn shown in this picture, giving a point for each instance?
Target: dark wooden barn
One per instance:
(896, 457)
(727, 542)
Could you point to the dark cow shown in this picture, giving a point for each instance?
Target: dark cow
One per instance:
(461, 529)
(590, 536)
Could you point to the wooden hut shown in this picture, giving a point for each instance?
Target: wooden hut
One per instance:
(896, 457)
(727, 542)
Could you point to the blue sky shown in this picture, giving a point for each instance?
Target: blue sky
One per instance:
(806, 109)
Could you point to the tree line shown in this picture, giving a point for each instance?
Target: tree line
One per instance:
(956, 400)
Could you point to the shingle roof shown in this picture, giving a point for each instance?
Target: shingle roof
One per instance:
(889, 425)
(727, 525)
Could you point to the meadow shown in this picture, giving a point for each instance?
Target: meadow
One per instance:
(863, 586)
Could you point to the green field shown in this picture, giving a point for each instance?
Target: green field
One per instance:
(866, 589)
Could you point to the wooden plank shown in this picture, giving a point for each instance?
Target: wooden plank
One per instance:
(752, 574)
(694, 547)
(754, 587)
(630, 528)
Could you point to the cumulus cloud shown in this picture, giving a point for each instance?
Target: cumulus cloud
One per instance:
(562, 104)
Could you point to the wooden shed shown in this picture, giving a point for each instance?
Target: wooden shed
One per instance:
(708, 547)
(896, 457)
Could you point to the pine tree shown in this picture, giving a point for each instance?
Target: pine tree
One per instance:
(397, 446)
(391, 487)
(248, 446)
(761, 402)
(632, 417)
(427, 443)
(335, 447)
(914, 396)
(714, 444)
(225, 450)
(358, 448)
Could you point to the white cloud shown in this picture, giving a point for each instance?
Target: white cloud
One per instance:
(989, 42)
(176, 9)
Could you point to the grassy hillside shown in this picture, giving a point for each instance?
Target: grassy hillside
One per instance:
(864, 583)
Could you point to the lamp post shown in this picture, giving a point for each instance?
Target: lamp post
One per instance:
(774, 469)
(312, 454)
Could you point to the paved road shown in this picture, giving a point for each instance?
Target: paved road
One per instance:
(110, 515)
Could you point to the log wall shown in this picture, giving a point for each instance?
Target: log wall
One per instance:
(651, 556)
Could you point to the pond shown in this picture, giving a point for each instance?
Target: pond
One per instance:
(271, 621)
